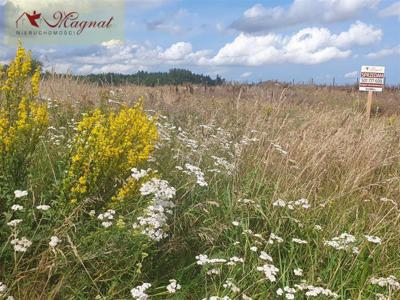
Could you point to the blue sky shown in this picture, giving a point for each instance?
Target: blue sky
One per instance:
(242, 40)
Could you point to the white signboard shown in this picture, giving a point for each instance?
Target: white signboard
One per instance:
(372, 78)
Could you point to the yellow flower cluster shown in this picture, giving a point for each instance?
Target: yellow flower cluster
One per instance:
(105, 148)
(22, 118)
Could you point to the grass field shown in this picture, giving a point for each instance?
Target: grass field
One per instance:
(233, 192)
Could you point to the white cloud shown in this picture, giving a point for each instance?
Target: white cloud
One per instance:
(385, 52)
(352, 74)
(177, 51)
(359, 34)
(311, 45)
(308, 46)
(246, 74)
(260, 19)
(391, 10)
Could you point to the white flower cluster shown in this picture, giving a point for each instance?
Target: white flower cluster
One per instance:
(299, 241)
(202, 259)
(190, 143)
(344, 241)
(229, 284)
(217, 298)
(190, 169)
(274, 238)
(139, 292)
(213, 272)
(222, 162)
(390, 282)
(298, 272)
(155, 219)
(54, 241)
(270, 271)
(315, 291)
(137, 174)
(17, 207)
(288, 291)
(373, 239)
(160, 189)
(14, 223)
(43, 207)
(234, 260)
(20, 194)
(3, 288)
(173, 286)
(292, 204)
(106, 218)
(21, 245)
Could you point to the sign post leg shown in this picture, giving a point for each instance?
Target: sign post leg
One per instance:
(369, 104)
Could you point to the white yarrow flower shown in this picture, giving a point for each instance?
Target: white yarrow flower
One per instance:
(173, 286)
(54, 241)
(20, 194)
(43, 207)
(17, 207)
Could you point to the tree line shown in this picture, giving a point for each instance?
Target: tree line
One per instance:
(172, 77)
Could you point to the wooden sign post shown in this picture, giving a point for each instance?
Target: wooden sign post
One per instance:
(369, 104)
(372, 79)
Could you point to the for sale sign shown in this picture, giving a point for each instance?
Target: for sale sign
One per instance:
(372, 78)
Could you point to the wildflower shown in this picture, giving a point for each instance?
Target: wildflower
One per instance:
(43, 207)
(270, 271)
(92, 213)
(234, 260)
(190, 169)
(17, 207)
(221, 162)
(298, 272)
(203, 259)
(235, 223)
(373, 239)
(299, 241)
(137, 174)
(245, 297)
(20, 194)
(173, 286)
(274, 238)
(14, 223)
(159, 188)
(279, 203)
(318, 227)
(390, 282)
(213, 272)
(54, 241)
(265, 256)
(106, 224)
(139, 291)
(3, 288)
(21, 245)
(279, 292)
(229, 284)
(108, 215)
(341, 242)
(253, 248)
(315, 291)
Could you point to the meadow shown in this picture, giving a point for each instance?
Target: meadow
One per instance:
(266, 191)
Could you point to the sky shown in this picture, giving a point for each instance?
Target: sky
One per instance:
(241, 40)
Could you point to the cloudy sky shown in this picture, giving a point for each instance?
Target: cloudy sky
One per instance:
(242, 40)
